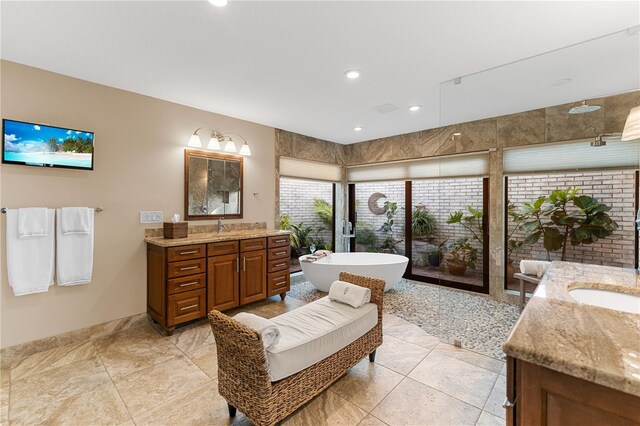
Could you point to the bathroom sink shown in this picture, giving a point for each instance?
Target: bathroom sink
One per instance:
(622, 302)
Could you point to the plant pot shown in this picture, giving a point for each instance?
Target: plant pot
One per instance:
(510, 270)
(457, 268)
(420, 246)
(434, 260)
(386, 250)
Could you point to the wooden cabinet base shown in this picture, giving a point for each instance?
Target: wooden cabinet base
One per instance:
(546, 397)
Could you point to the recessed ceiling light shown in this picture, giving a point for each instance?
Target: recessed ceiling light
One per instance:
(357, 128)
(219, 3)
(415, 107)
(457, 134)
(352, 74)
(562, 82)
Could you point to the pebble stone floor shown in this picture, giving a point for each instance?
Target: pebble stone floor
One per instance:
(139, 376)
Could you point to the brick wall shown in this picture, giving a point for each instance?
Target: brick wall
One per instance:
(614, 188)
(296, 200)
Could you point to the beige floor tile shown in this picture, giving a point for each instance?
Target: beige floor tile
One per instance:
(366, 384)
(487, 419)
(33, 392)
(404, 330)
(470, 357)
(400, 355)
(101, 406)
(412, 403)
(192, 338)
(371, 421)
(119, 325)
(278, 308)
(201, 406)
(326, 409)
(504, 369)
(389, 319)
(53, 358)
(146, 389)
(459, 379)
(4, 395)
(206, 358)
(498, 394)
(133, 350)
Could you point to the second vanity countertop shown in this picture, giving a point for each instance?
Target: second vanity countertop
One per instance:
(592, 343)
(203, 238)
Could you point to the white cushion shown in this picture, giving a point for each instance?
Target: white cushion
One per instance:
(315, 331)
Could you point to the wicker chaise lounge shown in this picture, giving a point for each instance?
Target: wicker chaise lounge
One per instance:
(243, 371)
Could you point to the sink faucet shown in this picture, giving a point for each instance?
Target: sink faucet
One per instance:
(220, 225)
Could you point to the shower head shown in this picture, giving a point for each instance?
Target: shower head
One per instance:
(584, 108)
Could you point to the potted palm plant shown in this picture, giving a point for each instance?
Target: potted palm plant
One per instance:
(463, 256)
(423, 226)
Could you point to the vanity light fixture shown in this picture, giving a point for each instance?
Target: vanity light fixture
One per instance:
(632, 125)
(218, 140)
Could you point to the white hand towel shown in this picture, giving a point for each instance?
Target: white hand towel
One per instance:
(268, 329)
(30, 261)
(33, 222)
(349, 294)
(534, 267)
(74, 255)
(75, 220)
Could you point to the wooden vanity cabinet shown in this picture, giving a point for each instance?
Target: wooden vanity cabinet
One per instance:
(540, 396)
(185, 282)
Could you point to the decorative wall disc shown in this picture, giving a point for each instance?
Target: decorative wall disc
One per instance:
(373, 203)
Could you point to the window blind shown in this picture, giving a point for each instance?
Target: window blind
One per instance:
(304, 169)
(578, 155)
(464, 165)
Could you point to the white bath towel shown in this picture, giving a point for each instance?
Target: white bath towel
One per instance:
(268, 329)
(75, 220)
(535, 268)
(30, 261)
(349, 294)
(33, 222)
(74, 255)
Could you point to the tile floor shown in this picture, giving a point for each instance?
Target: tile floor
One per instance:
(139, 376)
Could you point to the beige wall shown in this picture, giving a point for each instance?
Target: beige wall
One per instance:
(140, 144)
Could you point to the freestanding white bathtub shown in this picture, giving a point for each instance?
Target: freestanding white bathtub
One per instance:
(322, 273)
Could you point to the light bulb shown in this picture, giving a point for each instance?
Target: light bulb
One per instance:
(214, 143)
(230, 146)
(244, 150)
(218, 3)
(194, 141)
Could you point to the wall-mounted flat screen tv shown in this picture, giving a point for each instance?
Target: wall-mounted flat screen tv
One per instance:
(46, 146)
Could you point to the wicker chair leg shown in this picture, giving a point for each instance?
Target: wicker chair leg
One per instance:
(232, 410)
(372, 356)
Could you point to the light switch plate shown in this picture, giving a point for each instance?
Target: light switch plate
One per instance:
(151, 217)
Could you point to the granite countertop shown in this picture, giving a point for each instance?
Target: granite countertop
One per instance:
(214, 237)
(592, 343)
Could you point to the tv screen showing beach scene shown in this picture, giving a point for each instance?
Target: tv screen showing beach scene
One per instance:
(46, 146)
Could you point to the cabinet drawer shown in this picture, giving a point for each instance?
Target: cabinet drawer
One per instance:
(279, 253)
(224, 247)
(253, 244)
(278, 265)
(186, 306)
(278, 282)
(195, 251)
(186, 267)
(192, 282)
(279, 241)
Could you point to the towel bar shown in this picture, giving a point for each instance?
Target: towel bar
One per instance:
(97, 209)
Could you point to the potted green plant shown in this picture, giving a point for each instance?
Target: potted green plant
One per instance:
(471, 220)
(423, 226)
(388, 245)
(566, 218)
(434, 255)
(463, 256)
(513, 244)
(365, 237)
(300, 238)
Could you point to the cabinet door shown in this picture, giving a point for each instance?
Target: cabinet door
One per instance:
(222, 282)
(253, 278)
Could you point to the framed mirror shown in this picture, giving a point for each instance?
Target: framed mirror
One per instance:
(213, 185)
